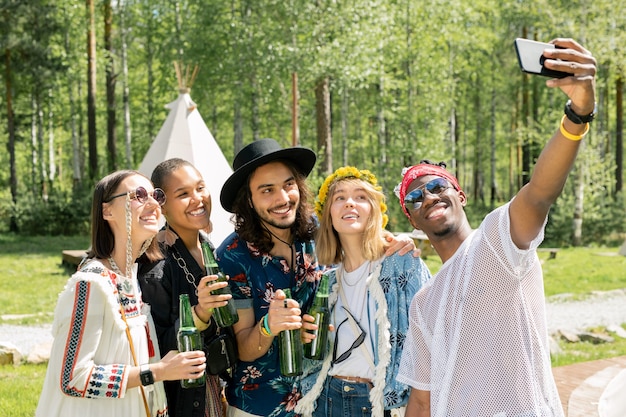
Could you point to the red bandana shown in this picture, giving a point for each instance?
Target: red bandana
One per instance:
(421, 170)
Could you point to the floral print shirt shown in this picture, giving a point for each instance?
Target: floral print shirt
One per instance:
(258, 386)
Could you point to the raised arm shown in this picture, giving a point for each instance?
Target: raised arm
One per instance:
(530, 207)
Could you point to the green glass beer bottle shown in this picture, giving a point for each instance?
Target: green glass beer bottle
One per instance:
(227, 315)
(189, 338)
(290, 349)
(320, 311)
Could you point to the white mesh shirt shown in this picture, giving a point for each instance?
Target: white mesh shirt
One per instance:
(478, 339)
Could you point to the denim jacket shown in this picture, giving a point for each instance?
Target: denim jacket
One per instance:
(392, 285)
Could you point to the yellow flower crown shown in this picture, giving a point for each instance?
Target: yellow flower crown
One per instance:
(348, 172)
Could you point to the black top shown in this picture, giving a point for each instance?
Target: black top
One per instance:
(161, 284)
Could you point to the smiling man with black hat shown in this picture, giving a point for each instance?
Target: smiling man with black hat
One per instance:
(272, 249)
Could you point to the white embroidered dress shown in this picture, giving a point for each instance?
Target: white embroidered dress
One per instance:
(88, 369)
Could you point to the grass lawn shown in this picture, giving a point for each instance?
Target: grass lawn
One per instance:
(19, 389)
(577, 271)
(33, 276)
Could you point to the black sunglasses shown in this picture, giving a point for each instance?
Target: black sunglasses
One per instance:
(141, 194)
(413, 200)
(358, 342)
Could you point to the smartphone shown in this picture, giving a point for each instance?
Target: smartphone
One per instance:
(530, 58)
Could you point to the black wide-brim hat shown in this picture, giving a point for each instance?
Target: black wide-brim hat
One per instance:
(259, 153)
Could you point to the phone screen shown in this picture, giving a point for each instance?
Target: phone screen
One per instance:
(530, 58)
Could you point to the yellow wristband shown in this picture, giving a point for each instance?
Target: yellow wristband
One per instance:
(197, 321)
(569, 135)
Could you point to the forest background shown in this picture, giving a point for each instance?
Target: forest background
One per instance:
(378, 84)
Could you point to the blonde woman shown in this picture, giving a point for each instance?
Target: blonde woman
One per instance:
(369, 300)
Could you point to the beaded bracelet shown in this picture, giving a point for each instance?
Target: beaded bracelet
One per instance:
(569, 135)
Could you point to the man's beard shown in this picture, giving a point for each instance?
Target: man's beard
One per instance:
(443, 232)
(280, 225)
(283, 225)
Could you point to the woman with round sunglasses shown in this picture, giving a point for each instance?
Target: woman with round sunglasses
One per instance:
(187, 212)
(105, 359)
(369, 300)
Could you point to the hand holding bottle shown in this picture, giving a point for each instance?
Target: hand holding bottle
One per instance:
(180, 365)
(283, 313)
(289, 340)
(225, 315)
(207, 301)
(189, 340)
(316, 333)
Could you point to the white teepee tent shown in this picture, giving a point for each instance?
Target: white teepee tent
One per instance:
(185, 135)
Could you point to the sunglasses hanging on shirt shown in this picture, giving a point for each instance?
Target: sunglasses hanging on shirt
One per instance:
(358, 342)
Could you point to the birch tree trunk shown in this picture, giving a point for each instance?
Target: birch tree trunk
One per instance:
(110, 87)
(43, 171)
(179, 31)
(382, 126)
(91, 91)
(34, 160)
(76, 157)
(11, 133)
(619, 134)
(345, 105)
(150, 52)
(52, 165)
(125, 89)
(324, 135)
(579, 193)
(237, 119)
(493, 191)
(254, 100)
(478, 154)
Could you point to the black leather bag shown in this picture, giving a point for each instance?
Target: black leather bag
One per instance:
(221, 350)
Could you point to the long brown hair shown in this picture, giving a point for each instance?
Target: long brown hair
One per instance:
(102, 238)
(327, 243)
(248, 224)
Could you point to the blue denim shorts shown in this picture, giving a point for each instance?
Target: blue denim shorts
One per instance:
(341, 398)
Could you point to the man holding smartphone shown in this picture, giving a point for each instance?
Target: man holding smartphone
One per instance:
(478, 341)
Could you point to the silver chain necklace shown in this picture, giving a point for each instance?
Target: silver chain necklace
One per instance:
(367, 270)
(183, 265)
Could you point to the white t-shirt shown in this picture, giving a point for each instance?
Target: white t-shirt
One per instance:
(362, 307)
(478, 337)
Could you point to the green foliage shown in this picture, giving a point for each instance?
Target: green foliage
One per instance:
(604, 222)
(63, 213)
(408, 81)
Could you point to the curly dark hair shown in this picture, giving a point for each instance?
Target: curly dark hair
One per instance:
(429, 162)
(249, 227)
